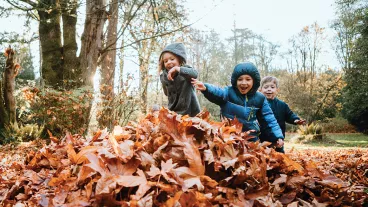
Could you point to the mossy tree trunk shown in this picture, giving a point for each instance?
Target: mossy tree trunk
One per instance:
(50, 40)
(72, 72)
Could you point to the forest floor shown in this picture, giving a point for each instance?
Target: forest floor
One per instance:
(346, 159)
(348, 143)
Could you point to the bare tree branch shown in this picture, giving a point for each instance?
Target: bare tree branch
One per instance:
(23, 8)
(122, 29)
(154, 36)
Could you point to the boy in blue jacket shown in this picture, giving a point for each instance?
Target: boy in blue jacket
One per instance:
(281, 111)
(242, 100)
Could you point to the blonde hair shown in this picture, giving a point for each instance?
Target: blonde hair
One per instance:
(270, 79)
(161, 64)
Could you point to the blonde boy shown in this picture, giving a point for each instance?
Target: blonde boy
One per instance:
(281, 111)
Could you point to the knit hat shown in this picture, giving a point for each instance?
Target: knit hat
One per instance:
(177, 49)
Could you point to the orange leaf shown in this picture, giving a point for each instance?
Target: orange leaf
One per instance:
(71, 153)
(80, 157)
(171, 202)
(96, 164)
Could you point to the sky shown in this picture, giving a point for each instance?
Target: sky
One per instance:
(276, 20)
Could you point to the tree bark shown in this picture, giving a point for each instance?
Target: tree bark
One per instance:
(50, 40)
(72, 71)
(121, 68)
(108, 68)
(145, 52)
(3, 114)
(92, 39)
(11, 70)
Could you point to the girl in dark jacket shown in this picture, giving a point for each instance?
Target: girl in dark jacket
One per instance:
(176, 80)
(242, 100)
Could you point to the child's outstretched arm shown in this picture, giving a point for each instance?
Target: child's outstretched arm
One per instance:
(185, 71)
(214, 94)
(198, 85)
(300, 121)
(292, 118)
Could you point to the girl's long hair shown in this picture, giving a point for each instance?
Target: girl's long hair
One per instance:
(161, 64)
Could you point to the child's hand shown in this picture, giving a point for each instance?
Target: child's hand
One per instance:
(300, 121)
(198, 85)
(172, 73)
(279, 143)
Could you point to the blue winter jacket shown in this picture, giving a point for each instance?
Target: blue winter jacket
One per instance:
(249, 108)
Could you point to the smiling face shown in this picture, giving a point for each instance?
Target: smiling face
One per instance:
(270, 90)
(170, 60)
(244, 84)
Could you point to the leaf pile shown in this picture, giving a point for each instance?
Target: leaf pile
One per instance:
(170, 160)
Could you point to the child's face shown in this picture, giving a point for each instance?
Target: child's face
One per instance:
(170, 60)
(270, 90)
(244, 84)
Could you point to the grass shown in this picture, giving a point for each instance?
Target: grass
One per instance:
(335, 141)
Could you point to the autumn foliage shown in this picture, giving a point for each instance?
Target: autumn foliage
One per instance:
(172, 160)
(58, 110)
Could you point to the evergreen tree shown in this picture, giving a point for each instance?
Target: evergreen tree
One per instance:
(355, 104)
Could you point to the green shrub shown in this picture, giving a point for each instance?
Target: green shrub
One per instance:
(311, 129)
(59, 111)
(337, 125)
(15, 133)
(309, 133)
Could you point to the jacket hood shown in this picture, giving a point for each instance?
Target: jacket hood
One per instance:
(177, 49)
(246, 68)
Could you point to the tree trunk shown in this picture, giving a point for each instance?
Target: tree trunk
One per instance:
(108, 68)
(3, 114)
(145, 52)
(121, 68)
(50, 40)
(11, 70)
(72, 71)
(92, 39)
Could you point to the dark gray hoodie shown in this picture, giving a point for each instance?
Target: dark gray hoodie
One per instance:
(180, 92)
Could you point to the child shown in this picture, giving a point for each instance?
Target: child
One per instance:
(176, 80)
(242, 100)
(281, 111)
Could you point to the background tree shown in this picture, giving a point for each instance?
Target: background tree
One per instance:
(61, 67)
(108, 67)
(4, 116)
(167, 16)
(7, 87)
(304, 53)
(355, 102)
(25, 57)
(242, 46)
(345, 25)
(264, 53)
(210, 56)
